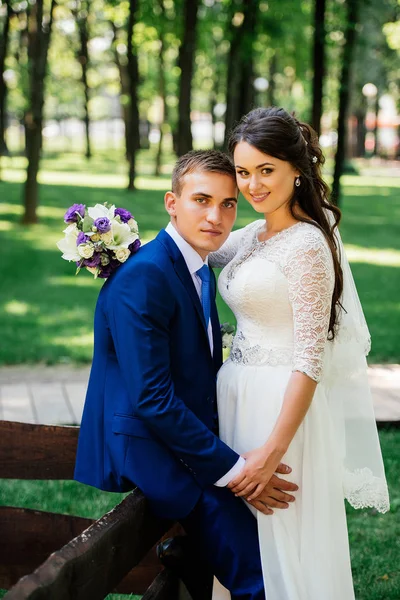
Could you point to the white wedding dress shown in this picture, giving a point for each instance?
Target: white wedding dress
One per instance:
(280, 291)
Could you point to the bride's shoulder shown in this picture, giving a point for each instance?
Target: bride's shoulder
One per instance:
(308, 233)
(308, 237)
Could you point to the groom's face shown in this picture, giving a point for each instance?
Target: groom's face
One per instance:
(205, 209)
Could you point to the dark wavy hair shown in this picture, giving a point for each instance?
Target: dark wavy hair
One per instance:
(275, 132)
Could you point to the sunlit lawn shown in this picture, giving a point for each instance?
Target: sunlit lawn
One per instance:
(46, 312)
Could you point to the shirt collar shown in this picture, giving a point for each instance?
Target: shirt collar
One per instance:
(193, 260)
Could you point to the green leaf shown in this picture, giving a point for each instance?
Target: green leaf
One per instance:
(87, 224)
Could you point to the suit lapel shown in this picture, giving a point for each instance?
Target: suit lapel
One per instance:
(183, 273)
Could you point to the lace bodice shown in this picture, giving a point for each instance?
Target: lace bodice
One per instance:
(280, 291)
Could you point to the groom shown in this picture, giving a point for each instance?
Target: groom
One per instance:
(150, 411)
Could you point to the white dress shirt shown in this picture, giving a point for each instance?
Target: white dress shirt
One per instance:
(194, 262)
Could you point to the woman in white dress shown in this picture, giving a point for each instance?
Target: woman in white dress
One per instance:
(294, 388)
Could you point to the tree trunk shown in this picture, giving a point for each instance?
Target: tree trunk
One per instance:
(218, 82)
(247, 95)
(133, 82)
(376, 126)
(344, 95)
(81, 16)
(3, 86)
(186, 65)
(123, 76)
(38, 45)
(360, 133)
(239, 88)
(161, 87)
(273, 68)
(232, 113)
(319, 64)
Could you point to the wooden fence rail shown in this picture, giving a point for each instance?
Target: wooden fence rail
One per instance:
(72, 557)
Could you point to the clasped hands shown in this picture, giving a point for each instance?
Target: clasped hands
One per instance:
(258, 483)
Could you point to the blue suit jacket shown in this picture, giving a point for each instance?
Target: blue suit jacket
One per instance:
(151, 401)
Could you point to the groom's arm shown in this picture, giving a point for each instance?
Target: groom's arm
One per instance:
(139, 308)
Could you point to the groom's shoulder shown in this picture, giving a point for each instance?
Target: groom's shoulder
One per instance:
(150, 259)
(148, 253)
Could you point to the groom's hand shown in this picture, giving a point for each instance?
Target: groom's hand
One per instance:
(275, 493)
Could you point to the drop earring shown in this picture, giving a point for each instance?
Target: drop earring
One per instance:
(297, 182)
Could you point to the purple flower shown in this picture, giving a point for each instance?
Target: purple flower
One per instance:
(134, 247)
(103, 224)
(71, 216)
(124, 215)
(106, 270)
(82, 238)
(94, 261)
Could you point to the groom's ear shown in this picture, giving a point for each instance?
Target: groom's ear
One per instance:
(170, 203)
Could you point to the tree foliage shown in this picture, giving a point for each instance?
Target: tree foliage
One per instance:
(165, 63)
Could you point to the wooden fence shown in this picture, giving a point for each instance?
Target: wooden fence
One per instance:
(72, 557)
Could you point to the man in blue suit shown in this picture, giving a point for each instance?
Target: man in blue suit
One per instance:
(150, 413)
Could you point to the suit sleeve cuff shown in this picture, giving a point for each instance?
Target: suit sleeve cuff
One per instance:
(231, 474)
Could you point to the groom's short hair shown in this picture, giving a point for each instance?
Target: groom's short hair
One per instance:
(212, 161)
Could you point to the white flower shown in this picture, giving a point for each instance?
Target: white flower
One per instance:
(86, 250)
(122, 254)
(227, 340)
(107, 238)
(122, 235)
(72, 230)
(133, 225)
(95, 237)
(68, 244)
(98, 211)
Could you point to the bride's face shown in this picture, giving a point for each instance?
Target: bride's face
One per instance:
(265, 181)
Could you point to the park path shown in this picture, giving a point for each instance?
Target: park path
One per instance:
(55, 395)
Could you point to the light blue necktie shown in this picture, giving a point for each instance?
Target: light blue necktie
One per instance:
(204, 274)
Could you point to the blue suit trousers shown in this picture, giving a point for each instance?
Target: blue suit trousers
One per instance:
(227, 538)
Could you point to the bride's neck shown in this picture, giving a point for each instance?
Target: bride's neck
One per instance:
(277, 221)
(281, 219)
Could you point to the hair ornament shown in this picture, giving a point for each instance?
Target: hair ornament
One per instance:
(314, 159)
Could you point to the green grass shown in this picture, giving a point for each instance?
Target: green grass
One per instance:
(46, 313)
(374, 538)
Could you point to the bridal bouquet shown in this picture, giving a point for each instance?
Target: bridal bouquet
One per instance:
(99, 238)
(227, 333)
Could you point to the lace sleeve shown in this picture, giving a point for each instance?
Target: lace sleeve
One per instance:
(229, 250)
(310, 275)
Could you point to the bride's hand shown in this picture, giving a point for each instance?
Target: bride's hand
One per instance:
(261, 464)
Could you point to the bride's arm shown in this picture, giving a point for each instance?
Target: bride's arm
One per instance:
(231, 247)
(311, 280)
(227, 251)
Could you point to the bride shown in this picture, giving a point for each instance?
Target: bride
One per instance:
(294, 388)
